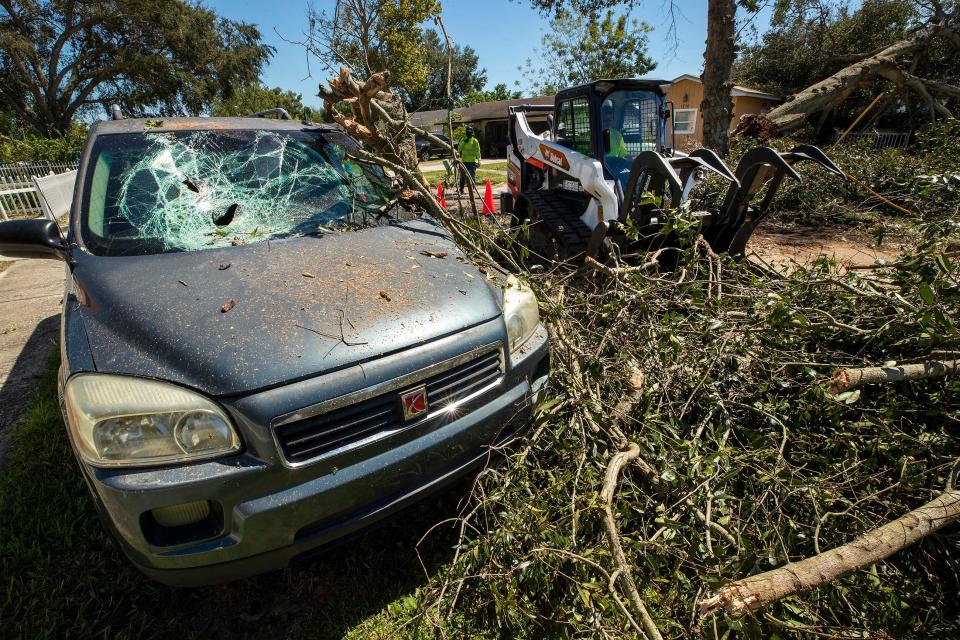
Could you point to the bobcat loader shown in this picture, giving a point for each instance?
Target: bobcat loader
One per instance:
(605, 164)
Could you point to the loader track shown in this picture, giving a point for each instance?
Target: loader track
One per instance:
(559, 212)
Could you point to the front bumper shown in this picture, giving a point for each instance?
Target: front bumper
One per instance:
(271, 512)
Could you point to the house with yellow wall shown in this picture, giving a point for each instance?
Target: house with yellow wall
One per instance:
(686, 92)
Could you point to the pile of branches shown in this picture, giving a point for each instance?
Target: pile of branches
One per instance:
(711, 432)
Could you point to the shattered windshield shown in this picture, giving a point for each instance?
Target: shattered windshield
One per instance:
(182, 191)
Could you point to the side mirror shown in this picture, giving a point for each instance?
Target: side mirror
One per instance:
(37, 238)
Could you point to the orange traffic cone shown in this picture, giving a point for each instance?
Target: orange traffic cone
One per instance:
(488, 207)
(440, 198)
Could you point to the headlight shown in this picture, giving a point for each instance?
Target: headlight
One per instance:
(120, 420)
(519, 312)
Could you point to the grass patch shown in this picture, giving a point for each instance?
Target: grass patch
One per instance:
(63, 576)
(495, 177)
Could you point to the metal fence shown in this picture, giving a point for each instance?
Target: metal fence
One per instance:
(18, 193)
(877, 139)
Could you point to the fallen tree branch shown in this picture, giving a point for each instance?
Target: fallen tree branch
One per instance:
(766, 588)
(617, 463)
(829, 93)
(845, 379)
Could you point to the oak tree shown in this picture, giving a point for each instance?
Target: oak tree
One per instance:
(62, 57)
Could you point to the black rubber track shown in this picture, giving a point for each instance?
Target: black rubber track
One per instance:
(559, 212)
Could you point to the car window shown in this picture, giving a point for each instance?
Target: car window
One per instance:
(183, 191)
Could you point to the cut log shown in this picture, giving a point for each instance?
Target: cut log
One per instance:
(846, 379)
(755, 592)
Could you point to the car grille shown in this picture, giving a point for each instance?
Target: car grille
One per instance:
(311, 437)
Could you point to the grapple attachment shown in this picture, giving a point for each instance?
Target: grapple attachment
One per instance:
(729, 230)
(670, 180)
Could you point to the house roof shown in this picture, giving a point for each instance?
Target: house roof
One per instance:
(498, 108)
(738, 90)
(480, 111)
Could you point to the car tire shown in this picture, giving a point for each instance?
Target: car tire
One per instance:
(425, 154)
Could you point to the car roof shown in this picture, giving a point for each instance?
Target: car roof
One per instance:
(140, 125)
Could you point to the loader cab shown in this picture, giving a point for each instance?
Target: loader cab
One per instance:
(612, 121)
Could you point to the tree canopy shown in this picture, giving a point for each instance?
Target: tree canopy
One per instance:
(60, 58)
(810, 39)
(258, 97)
(499, 92)
(369, 36)
(466, 77)
(580, 48)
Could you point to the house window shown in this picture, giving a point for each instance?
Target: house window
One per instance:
(684, 121)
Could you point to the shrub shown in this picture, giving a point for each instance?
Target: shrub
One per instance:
(34, 148)
(924, 179)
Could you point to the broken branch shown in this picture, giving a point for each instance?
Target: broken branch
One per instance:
(763, 589)
(617, 463)
(845, 379)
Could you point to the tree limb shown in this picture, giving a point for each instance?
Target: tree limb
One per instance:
(617, 463)
(845, 379)
(755, 592)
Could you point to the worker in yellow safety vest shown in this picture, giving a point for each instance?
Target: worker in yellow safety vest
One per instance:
(618, 148)
(469, 150)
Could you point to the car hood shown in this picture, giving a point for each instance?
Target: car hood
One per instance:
(239, 319)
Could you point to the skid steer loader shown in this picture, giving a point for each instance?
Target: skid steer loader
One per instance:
(606, 163)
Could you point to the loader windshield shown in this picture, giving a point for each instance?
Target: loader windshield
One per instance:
(630, 124)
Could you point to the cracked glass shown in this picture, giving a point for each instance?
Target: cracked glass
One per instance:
(157, 192)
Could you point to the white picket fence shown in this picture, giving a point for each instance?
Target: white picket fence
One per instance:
(35, 190)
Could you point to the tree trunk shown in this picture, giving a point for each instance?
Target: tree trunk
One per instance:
(717, 105)
(760, 590)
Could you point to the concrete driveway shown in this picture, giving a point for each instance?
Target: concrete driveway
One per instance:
(30, 295)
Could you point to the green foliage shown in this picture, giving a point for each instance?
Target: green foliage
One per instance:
(810, 39)
(924, 178)
(34, 148)
(465, 79)
(60, 59)
(735, 422)
(376, 35)
(257, 97)
(582, 48)
(499, 92)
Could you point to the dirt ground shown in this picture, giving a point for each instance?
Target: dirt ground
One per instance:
(782, 246)
(785, 246)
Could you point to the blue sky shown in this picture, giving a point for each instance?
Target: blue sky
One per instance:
(504, 34)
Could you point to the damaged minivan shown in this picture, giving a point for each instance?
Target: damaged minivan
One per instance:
(261, 351)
